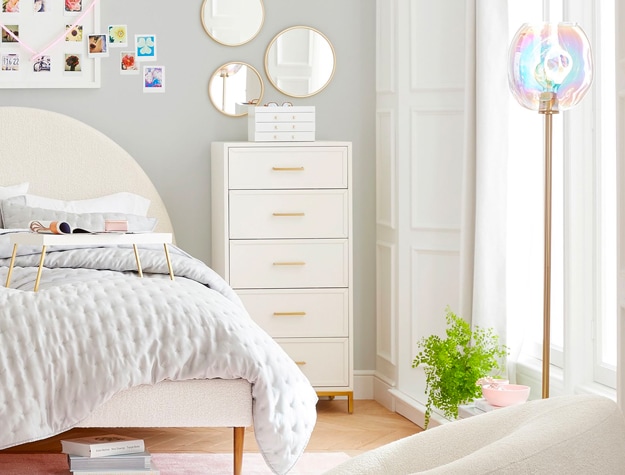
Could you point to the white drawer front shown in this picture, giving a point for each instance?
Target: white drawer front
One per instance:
(283, 116)
(299, 313)
(324, 361)
(287, 167)
(288, 214)
(289, 264)
(286, 127)
(292, 136)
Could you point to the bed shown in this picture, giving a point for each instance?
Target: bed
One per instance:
(98, 346)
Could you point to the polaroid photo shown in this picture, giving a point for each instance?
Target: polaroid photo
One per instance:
(128, 63)
(73, 7)
(10, 6)
(11, 62)
(145, 47)
(98, 45)
(41, 6)
(118, 36)
(6, 37)
(73, 64)
(153, 78)
(42, 64)
(73, 34)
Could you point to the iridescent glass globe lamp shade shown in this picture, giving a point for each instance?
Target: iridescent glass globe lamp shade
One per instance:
(549, 70)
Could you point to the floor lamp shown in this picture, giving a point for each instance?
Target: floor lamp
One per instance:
(549, 70)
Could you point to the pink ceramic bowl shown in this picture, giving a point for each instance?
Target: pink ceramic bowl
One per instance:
(506, 394)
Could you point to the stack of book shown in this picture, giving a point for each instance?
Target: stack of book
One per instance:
(109, 454)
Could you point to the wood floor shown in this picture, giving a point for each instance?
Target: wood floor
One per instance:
(370, 426)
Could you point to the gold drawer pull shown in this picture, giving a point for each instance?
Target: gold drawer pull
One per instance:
(289, 263)
(288, 169)
(300, 363)
(289, 214)
(289, 314)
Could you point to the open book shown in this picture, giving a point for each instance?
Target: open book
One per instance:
(63, 227)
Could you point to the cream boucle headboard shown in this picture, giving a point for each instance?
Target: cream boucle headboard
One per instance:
(66, 159)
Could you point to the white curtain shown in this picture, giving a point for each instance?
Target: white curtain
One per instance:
(486, 167)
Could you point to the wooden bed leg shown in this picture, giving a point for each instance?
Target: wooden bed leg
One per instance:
(239, 436)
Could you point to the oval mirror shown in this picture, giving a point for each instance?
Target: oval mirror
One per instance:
(232, 22)
(234, 87)
(300, 61)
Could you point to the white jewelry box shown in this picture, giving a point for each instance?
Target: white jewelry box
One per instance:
(281, 124)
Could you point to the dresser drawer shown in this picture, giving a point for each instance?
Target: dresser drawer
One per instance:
(287, 167)
(299, 313)
(289, 214)
(292, 136)
(324, 361)
(282, 114)
(286, 127)
(289, 263)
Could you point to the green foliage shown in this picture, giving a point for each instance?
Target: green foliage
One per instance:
(454, 364)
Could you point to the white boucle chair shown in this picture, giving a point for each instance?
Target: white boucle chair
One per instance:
(562, 435)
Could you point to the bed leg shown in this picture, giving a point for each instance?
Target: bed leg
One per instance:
(239, 436)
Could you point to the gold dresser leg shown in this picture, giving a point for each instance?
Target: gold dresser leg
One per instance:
(332, 394)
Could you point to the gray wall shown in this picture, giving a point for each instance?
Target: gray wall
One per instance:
(170, 134)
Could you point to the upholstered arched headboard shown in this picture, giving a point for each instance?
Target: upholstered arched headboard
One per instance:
(66, 159)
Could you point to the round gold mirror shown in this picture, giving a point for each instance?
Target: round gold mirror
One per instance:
(234, 87)
(233, 22)
(300, 61)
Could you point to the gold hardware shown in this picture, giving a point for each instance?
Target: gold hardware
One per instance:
(300, 363)
(289, 214)
(289, 263)
(289, 314)
(288, 169)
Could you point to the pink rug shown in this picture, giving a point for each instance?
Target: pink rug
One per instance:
(175, 464)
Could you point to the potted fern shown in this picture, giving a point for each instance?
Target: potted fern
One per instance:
(454, 364)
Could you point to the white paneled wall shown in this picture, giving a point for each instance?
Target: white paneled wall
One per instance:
(420, 123)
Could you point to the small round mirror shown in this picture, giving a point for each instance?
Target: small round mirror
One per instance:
(232, 22)
(300, 61)
(234, 87)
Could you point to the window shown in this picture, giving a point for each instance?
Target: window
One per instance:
(525, 222)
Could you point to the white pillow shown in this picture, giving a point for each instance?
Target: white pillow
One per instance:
(11, 191)
(17, 216)
(122, 202)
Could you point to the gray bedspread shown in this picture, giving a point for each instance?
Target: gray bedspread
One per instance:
(95, 328)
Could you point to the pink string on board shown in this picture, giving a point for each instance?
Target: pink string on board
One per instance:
(57, 40)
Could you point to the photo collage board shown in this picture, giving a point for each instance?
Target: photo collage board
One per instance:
(51, 43)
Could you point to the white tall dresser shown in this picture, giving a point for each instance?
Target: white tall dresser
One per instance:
(282, 238)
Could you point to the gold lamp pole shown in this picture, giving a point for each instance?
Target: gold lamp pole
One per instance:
(550, 69)
(547, 102)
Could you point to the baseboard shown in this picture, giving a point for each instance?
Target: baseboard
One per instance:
(369, 385)
(363, 384)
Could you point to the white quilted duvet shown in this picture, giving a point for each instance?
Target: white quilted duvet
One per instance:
(95, 328)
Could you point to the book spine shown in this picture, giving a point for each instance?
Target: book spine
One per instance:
(112, 448)
(150, 471)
